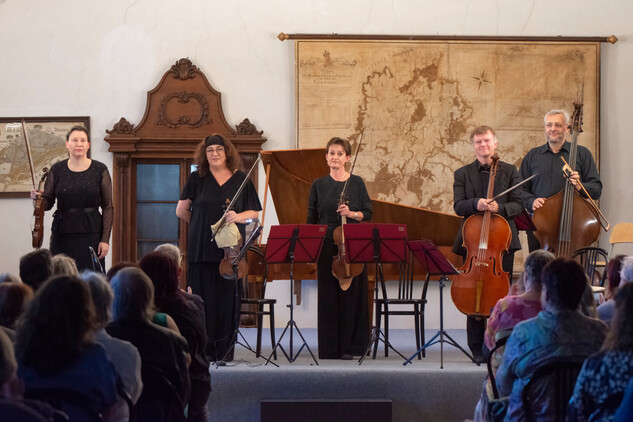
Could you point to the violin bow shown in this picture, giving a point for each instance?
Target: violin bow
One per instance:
(237, 194)
(342, 198)
(28, 153)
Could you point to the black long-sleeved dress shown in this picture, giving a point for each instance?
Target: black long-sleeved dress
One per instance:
(343, 316)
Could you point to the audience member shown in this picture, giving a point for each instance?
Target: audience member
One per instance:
(508, 312)
(559, 330)
(36, 267)
(123, 354)
(9, 278)
(56, 350)
(13, 299)
(64, 265)
(606, 310)
(625, 411)
(159, 318)
(612, 276)
(168, 298)
(13, 406)
(163, 353)
(605, 375)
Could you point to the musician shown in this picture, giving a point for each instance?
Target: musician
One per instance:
(469, 196)
(202, 201)
(545, 160)
(343, 316)
(81, 186)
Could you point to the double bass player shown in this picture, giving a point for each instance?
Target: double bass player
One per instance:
(545, 160)
(469, 195)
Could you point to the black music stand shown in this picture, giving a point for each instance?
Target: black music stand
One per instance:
(377, 243)
(436, 263)
(294, 243)
(238, 294)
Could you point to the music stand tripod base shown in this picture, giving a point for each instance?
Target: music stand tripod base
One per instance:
(294, 243)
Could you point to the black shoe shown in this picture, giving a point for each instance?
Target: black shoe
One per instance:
(347, 356)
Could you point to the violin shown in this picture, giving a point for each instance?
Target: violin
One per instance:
(567, 222)
(230, 253)
(341, 268)
(482, 281)
(37, 233)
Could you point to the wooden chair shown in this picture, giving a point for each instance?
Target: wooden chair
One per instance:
(621, 233)
(501, 342)
(406, 298)
(549, 388)
(592, 258)
(260, 307)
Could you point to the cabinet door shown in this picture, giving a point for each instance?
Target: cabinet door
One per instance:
(158, 188)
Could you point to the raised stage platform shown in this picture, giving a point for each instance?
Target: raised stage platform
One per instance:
(420, 391)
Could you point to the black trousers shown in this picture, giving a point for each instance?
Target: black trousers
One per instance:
(476, 326)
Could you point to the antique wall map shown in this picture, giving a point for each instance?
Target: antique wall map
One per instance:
(415, 104)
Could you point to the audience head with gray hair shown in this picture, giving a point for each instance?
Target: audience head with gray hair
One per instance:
(626, 273)
(102, 296)
(64, 265)
(133, 295)
(533, 267)
(172, 251)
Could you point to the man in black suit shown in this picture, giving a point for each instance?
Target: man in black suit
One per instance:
(469, 197)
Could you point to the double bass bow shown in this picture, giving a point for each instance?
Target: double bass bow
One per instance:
(37, 233)
(341, 268)
(567, 222)
(482, 281)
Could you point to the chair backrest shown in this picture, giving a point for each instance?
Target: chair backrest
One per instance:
(589, 258)
(257, 271)
(72, 403)
(501, 342)
(159, 401)
(621, 233)
(549, 388)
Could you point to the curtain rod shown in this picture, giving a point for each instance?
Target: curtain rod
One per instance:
(612, 39)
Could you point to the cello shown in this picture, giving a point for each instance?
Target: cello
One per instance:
(567, 222)
(37, 233)
(482, 281)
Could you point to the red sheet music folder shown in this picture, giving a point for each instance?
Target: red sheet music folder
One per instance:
(392, 238)
(308, 242)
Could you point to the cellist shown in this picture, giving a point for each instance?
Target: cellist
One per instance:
(545, 160)
(469, 197)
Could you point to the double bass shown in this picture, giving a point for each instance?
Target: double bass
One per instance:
(567, 222)
(482, 281)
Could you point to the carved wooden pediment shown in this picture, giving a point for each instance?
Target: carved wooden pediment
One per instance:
(180, 111)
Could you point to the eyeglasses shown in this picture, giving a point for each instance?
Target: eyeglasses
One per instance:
(217, 150)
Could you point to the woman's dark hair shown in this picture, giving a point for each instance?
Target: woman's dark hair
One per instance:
(565, 282)
(233, 160)
(57, 325)
(118, 267)
(163, 272)
(13, 298)
(613, 272)
(77, 128)
(620, 335)
(347, 147)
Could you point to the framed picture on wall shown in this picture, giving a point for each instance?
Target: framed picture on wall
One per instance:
(47, 140)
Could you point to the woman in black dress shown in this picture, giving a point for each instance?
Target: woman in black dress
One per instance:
(81, 186)
(202, 203)
(343, 316)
